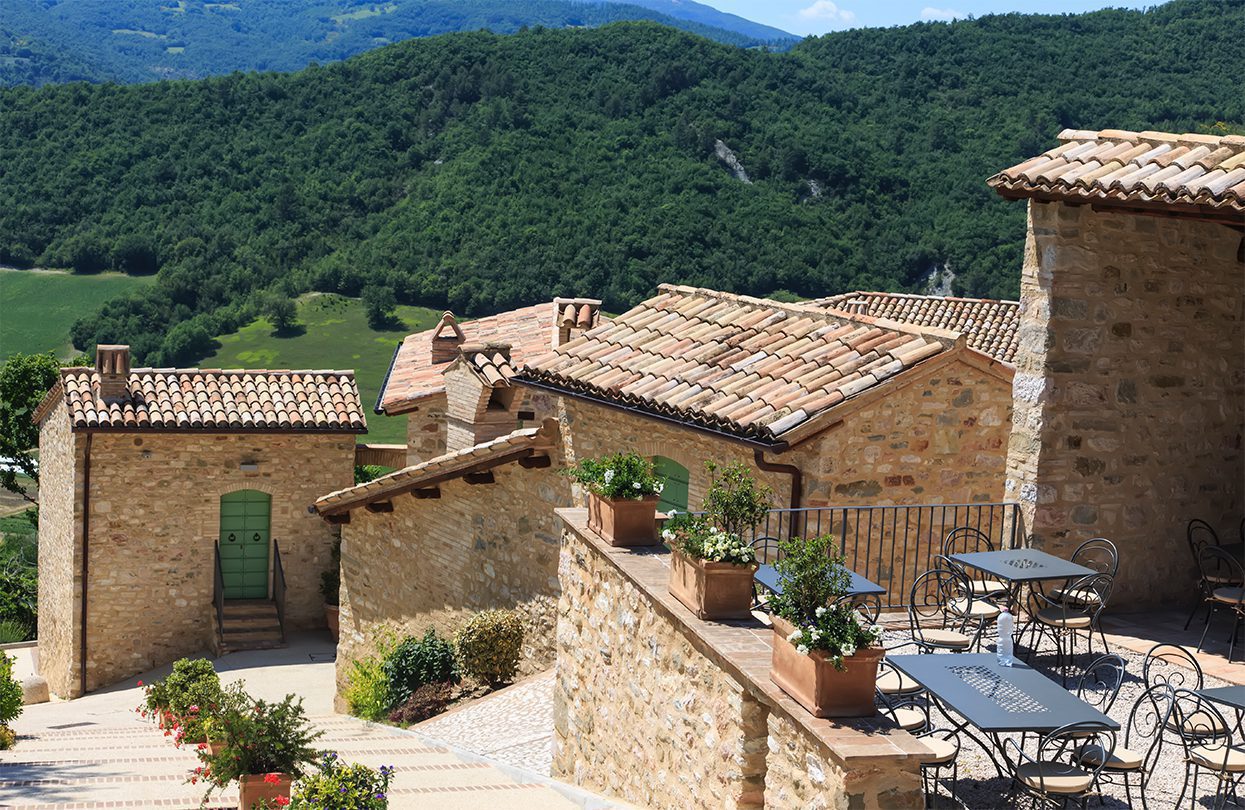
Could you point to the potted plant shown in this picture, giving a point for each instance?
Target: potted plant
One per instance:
(336, 784)
(622, 497)
(266, 746)
(824, 656)
(155, 705)
(330, 587)
(192, 691)
(711, 561)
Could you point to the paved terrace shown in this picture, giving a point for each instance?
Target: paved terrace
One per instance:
(94, 752)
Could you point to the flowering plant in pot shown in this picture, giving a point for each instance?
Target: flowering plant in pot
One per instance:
(155, 705)
(336, 784)
(266, 746)
(825, 656)
(194, 692)
(622, 497)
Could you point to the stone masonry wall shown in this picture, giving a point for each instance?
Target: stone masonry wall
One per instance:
(155, 517)
(1130, 389)
(60, 498)
(426, 423)
(436, 562)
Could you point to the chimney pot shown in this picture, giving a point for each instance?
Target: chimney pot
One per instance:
(112, 363)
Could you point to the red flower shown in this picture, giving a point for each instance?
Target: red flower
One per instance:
(272, 778)
(281, 801)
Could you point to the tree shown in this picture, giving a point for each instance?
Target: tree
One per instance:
(380, 303)
(24, 380)
(281, 311)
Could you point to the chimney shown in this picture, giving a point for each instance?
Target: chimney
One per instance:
(572, 317)
(445, 347)
(480, 402)
(112, 363)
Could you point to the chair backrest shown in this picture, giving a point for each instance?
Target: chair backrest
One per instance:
(767, 549)
(1200, 724)
(1147, 720)
(1098, 553)
(1061, 745)
(1200, 533)
(1094, 590)
(1099, 685)
(869, 606)
(1217, 568)
(1172, 666)
(965, 540)
(932, 594)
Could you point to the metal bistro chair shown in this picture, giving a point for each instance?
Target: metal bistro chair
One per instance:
(934, 622)
(1100, 682)
(1215, 567)
(1098, 554)
(1134, 760)
(975, 610)
(1200, 535)
(1063, 620)
(945, 745)
(1208, 746)
(966, 540)
(1056, 774)
(1173, 666)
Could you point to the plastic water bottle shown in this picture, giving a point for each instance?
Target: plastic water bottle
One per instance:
(1004, 645)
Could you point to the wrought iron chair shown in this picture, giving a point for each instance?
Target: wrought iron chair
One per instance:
(1217, 566)
(1062, 620)
(1098, 554)
(976, 610)
(966, 540)
(1208, 746)
(1056, 774)
(1100, 682)
(869, 606)
(934, 623)
(1199, 534)
(1134, 760)
(1173, 666)
(945, 745)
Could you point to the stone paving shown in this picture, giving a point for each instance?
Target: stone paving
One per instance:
(95, 752)
(514, 726)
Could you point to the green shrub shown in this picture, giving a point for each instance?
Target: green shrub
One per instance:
(427, 701)
(8, 738)
(10, 692)
(489, 646)
(622, 476)
(12, 632)
(193, 682)
(416, 662)
(337, 784)
(259, 738)
(367, 687)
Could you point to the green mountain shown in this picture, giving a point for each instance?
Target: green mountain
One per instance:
(480, 172)
(142, 40)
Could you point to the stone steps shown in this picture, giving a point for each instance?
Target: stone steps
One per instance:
(250, 624)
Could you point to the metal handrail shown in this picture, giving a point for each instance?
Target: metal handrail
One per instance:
(278, 586)
(218, 596)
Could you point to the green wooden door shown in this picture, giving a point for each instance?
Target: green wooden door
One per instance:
(674, 496)
(244, 534)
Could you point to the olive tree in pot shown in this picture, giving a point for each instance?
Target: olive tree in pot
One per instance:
(711, 559)
(622, 497)
(330, 587)
(824, 657)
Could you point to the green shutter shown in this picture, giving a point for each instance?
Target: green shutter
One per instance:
(674, 496)
(244, 536)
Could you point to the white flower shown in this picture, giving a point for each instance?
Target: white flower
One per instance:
(821, 611)
(635, 485)
(666, 534)
(849, 650)
(660, 487)
(609, 476)
(801, 649)
(793, 635)
(673, 512)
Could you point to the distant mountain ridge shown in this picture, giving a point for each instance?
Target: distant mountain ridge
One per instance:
(54, 41)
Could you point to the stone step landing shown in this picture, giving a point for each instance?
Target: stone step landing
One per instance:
(250, 624)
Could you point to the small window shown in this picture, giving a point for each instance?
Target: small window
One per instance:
(500, 399)
(674, 496)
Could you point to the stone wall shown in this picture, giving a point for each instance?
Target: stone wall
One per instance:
(656, 707)
(1130, 389)
(60, 558)
(155, 519)
(476, 547)
(426, 422)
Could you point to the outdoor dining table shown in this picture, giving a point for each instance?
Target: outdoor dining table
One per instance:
(1231, 696)
(768, 576)
(1022, 566)
(995, 699)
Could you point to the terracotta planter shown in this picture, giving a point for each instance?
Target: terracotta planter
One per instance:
(214, 747)
(816, 685)
(712, 590)
(252, 789)
(330, 618)
(624, 523)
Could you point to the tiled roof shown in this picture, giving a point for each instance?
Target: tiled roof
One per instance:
(212, 399)
(747, 366)
(990, 326)
(1191, 173)
(415, 374)
(490, 362)
(441, 468)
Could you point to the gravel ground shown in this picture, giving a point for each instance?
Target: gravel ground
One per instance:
(979, 786)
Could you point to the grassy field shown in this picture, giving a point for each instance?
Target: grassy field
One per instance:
(37, 308)
(334, 335)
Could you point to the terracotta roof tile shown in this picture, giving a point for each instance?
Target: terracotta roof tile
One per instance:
(212, 399)
(1189, 172)
(989, 326)
(747, 366)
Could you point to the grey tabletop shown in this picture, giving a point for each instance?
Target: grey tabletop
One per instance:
(768, 576)
(998, 699)
(1233, 696)
(1022, 565)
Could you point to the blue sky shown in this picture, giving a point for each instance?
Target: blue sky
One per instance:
(820, 16)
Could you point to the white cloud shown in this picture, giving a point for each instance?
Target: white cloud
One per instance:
(826, 11)
(929, 13)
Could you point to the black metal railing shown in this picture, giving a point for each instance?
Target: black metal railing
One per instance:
(278, 586)
(893, 545)
(218, 596)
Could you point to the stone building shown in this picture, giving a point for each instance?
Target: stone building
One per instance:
(415, 385)
(146, 474)
(1129, 404)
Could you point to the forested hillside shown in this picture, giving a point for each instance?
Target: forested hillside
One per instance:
(480, 172)
(45, 41)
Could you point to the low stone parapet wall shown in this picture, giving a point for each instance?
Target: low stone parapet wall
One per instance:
(657, 707)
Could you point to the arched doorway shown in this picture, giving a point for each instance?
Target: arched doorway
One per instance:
(674, 496)
(244, 538)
